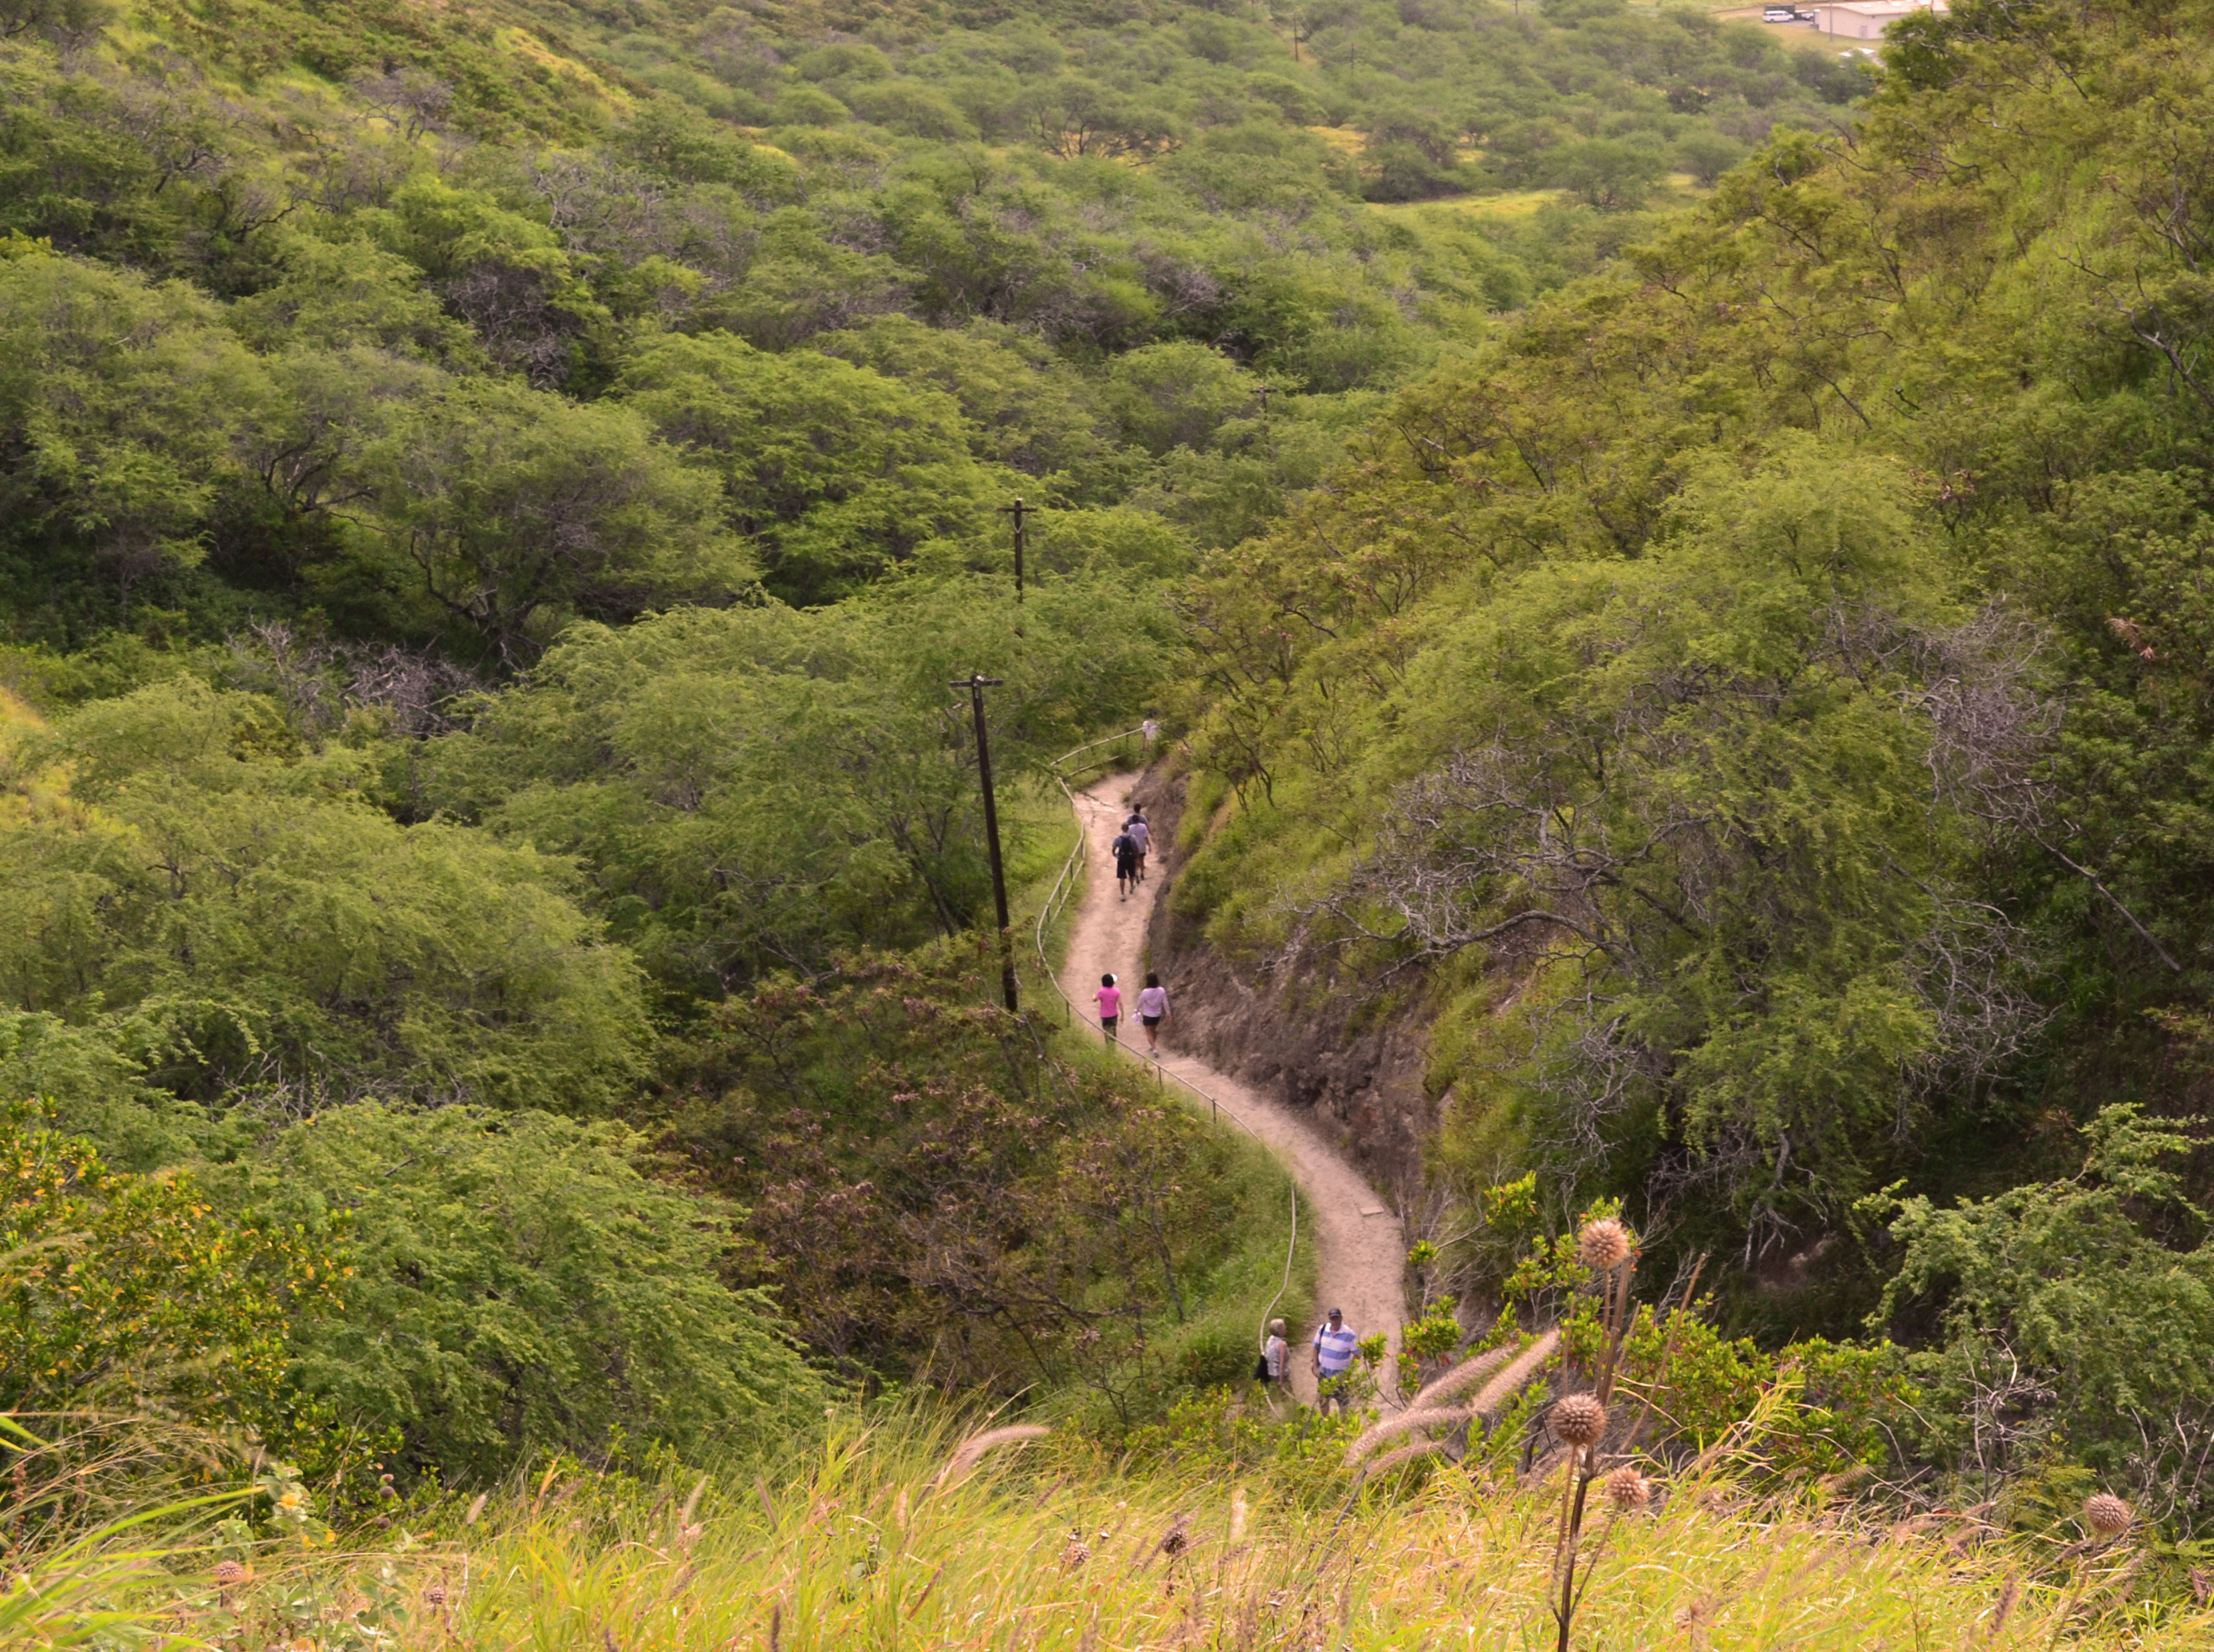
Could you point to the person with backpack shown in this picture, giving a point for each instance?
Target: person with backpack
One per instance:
(1141, 838)
(1152, 1010)
(1125, 852)
(1110, 1000)
(1335, 1343)
(1274, 1368)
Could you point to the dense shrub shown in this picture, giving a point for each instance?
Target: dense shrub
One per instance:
(519, 1287)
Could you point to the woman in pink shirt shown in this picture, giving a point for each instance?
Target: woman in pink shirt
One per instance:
(1110, 1000)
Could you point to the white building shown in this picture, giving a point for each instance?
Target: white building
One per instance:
(1866, 20)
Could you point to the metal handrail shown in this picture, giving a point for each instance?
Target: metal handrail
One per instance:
(1063, 886)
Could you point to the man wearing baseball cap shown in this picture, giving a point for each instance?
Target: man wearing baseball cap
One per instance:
(1335, 1343)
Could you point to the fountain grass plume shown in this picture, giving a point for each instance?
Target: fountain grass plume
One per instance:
(1391, 1459)
(1512, 1380)
(1421, 1415)
(974, 1448)
(1469, 1372)
(1376, 1433)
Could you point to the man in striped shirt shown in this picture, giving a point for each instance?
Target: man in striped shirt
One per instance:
(1335, 1343)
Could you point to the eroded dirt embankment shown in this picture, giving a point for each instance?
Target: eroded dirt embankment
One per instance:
(1361, 1085)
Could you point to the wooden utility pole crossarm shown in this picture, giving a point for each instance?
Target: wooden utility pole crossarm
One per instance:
(976, 683)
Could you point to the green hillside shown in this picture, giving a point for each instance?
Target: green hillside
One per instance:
(1756, 693)
(1673, 565)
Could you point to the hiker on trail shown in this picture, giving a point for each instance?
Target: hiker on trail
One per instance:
(1140, 833)
(1125, 851)
(1152, 1010)
(1276, 1357)
(1335, 1343)
(1110, 1000)
(1151, 730)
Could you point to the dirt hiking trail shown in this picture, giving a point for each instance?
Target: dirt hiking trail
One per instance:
(1359, 1247)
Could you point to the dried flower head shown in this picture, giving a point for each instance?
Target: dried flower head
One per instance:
(1627, 1491)
(228, 1574)
(1603, 1246)
(1177, 1539)
(2107, 1515)
(1076, 1551)
(435, 1595)
(1578, 1420)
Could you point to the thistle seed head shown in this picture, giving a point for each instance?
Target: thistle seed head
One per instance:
(2107, 1515)
(228, 1574)
(435, 1595)
(1578, 1420)
(1627, 1491)
(1603, 1246)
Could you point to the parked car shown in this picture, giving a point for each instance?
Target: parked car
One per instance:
(1779, 13)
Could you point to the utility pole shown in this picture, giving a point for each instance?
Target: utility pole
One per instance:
(975, 683)
(1016, 510)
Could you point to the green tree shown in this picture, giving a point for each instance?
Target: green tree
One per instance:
(520, 1287)
(124, 404)
(513, 511)
(755, 789)
(2075, 1315)
(1175, 395)
(118, 1290)
(244, 915)
(1613, 173)
(836, 471)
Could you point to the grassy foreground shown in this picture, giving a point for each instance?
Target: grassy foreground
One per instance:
(1042, 1543)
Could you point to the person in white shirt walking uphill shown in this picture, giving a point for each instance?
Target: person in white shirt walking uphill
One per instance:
(1141, 839)
(1152, 1010)
(1335, 1343)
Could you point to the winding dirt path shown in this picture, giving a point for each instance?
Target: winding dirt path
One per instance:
(1359, 1247)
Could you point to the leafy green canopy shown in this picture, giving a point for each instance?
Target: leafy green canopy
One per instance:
(520, 1287)
(289, 405)
(151, 437)
(2072, 1315)
(234, 914)
(753, 789)
(120, 1291)
(837, 471)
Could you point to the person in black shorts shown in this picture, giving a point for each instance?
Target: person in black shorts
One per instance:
(1110, 1000)
(1126, 864)
(1140, 835)
(1152, 1010)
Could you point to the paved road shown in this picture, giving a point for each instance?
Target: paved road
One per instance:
(1359, 1247)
